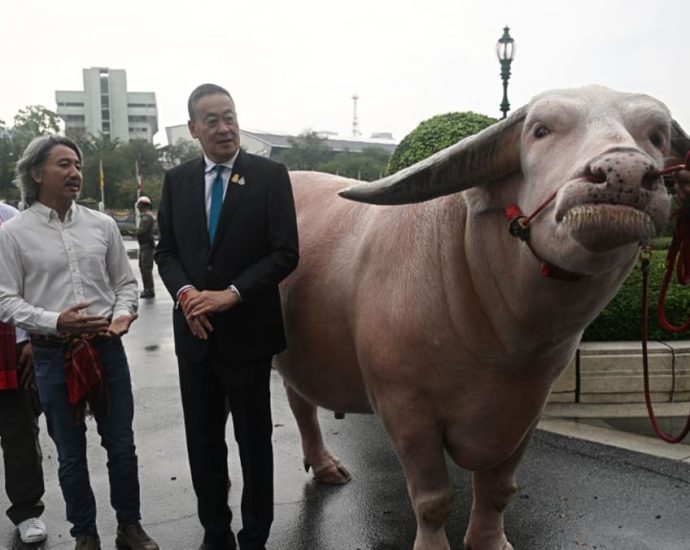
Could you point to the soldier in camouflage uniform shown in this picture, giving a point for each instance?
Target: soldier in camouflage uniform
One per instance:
(146, 245)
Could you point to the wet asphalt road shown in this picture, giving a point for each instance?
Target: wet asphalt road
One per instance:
(573, 494)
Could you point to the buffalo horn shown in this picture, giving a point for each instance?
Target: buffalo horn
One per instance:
(482, 158)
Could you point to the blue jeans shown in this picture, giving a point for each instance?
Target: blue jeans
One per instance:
(69, 436)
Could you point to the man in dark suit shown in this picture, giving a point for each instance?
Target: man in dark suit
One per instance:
(228, 236)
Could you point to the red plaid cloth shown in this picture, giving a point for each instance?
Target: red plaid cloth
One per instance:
(8, 357)
(85, 383)
(86, 388)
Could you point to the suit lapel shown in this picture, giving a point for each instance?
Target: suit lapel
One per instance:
(197, 200)
(233, 196)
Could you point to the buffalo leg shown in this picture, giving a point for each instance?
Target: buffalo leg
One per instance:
(492, 491)
(420, 451)
(327, 469)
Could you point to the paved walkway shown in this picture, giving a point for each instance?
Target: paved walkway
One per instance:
(574, 494)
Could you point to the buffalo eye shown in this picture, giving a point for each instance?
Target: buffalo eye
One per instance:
(541, 131)
(656, 139)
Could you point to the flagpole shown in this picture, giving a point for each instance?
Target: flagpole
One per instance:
(137, 176)
(101, 179)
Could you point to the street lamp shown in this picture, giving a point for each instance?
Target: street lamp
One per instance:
(505, 50)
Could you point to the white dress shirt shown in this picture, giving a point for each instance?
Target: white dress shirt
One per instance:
(47, 266)
(210, 175)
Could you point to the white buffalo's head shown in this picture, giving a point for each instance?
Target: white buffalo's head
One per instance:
(599, 150)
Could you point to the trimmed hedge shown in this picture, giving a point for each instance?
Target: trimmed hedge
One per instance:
(621, 319)
(434, 134)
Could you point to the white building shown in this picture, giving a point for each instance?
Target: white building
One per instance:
(180, 132)
(267, 144)
(105, 106)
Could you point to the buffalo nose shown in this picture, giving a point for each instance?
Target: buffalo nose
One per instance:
(623, 169)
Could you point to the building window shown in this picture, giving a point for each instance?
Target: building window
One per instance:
(104, 84)
(76, 133)
(106, 127)
(105, 114)
(105, 101)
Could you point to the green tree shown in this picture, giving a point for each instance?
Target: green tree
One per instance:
(97, 145)
(7, 165)
(100, 151)
(32, 121)
(434, 134)
(308, 151)
(119, 162)
(144, 153)
(148, 157)
(368, 165)
(182, 151)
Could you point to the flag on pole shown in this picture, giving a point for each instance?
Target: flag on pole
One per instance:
(101, 177)
(138, 176)
(101, 180)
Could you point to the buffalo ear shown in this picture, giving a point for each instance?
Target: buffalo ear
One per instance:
(488, 156)
(680, 144)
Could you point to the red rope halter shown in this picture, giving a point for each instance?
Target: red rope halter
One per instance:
(519, 226)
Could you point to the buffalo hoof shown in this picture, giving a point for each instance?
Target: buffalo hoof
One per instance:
(331, 472)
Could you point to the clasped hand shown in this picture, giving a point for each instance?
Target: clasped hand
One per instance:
(197, 306)
(74, 322)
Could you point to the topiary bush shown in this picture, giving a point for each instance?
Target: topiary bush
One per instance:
(434, 134)
(621, 319)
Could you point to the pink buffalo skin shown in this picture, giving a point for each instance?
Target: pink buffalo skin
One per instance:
(433, 317)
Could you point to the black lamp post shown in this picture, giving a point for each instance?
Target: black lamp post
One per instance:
(505, 50)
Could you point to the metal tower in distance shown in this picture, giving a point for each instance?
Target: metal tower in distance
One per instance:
(355, 122)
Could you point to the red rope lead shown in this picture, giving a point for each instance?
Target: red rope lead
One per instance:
(541, 207)
(679, 256)
(677, 167)
(645, 363)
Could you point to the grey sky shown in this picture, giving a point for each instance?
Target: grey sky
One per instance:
(294, 65)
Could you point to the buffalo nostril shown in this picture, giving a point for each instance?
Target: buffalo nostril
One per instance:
(649, 179)
(595, 176)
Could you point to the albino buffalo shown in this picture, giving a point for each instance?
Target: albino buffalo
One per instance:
(432, 316)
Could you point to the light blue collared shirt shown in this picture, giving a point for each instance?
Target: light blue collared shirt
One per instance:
(210, 175)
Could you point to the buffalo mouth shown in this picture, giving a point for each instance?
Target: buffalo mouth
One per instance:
(599, 227)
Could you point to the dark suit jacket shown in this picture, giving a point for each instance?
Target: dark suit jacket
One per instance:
(255, 247)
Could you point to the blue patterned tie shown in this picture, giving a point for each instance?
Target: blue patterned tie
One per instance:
(216, 202)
